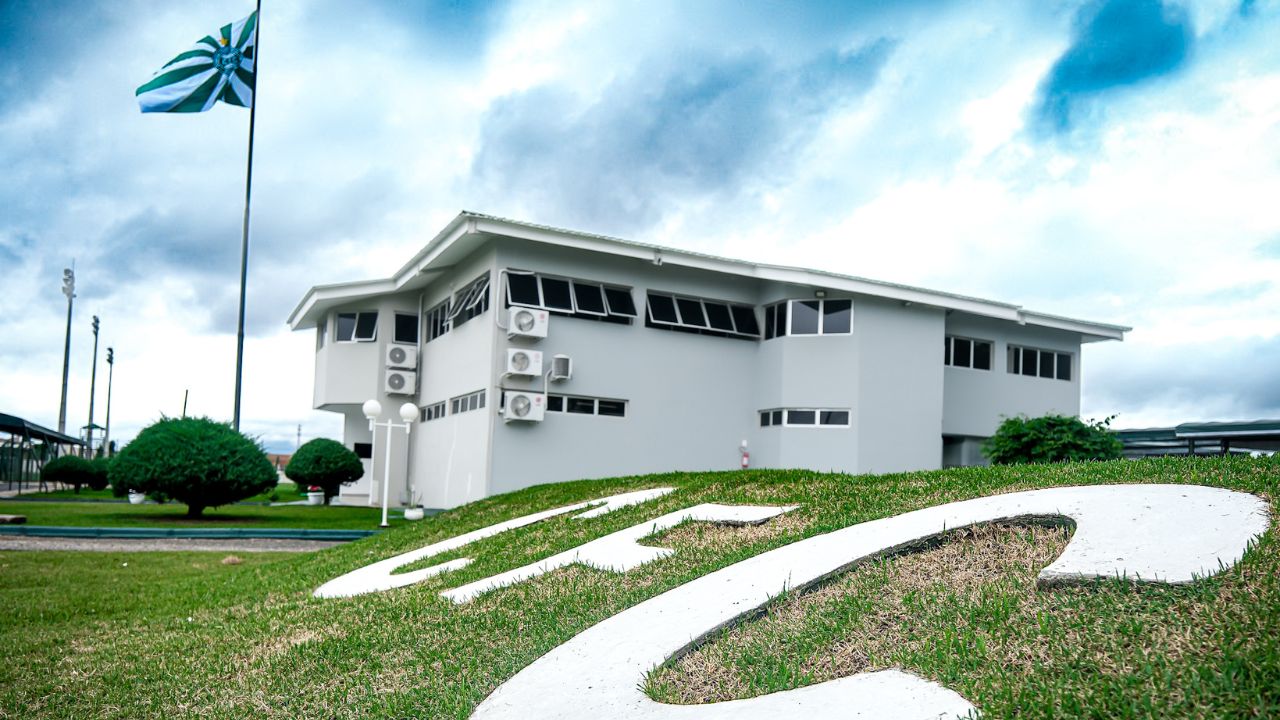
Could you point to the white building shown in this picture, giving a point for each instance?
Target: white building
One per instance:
(676, 358)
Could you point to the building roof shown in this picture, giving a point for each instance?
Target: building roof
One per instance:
(469, 230)
(1257, 429)
(15, 425)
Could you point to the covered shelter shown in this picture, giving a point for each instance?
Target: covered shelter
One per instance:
(24, 449)
(1206, 438)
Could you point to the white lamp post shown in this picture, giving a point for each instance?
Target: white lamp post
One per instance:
(408, 413)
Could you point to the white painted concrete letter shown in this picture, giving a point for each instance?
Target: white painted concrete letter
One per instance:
(1152, 533)
(378, 576)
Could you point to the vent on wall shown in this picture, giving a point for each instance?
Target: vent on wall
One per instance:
(401, 382)
(561, 367)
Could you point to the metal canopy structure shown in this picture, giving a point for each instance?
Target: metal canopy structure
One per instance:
(25, 447)
(1208, 438)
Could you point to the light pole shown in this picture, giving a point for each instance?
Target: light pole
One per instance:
(111, 373)
(68, 289)
(408, 412)
(93, 386)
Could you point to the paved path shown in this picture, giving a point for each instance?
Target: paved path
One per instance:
(18, 542)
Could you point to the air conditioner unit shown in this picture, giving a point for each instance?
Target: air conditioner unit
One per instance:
(524, 362)
(561, 367)
(401, 382)
(523, 406)
(527, 322)
(402, 356)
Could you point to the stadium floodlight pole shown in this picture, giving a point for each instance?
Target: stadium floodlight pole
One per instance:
(248, 185)
(68, 289)
(111, 373)
(93, 386)
(408, 412)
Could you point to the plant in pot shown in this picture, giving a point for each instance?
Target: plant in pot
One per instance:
(315, 495)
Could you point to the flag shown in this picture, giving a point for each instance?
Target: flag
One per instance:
(219, 67)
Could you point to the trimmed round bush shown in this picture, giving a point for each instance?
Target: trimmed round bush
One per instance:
(70, 470)
(1052, 438)
(326, 464)
(195, 461)
(99, 479)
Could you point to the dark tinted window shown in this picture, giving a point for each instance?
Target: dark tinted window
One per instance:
(961, 352)
(583, 406)
(764, 419)
(718, 316)
(662, 309)
(1064, 366)
(346, 327)
(612, 408)
(522, 289)
(364, 451)
(555, 294)
(744, 317)
(1046, 364)
(768, 321)
(1029, 361)
(804, 317)
(982, 355)
(781, 320)
(620, 302)
(406, 328)
(837, 316)
(777, 417)
(834, 417)
(801, 417)
(366, 326)
(691, 312)
(946, 351)
(590, 298)
(555, 403)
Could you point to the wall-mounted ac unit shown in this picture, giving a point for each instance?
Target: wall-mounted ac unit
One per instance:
(401, 382)
(561, 367)
(527, 363)
(523, 406)
(400, 355)
(527, 322)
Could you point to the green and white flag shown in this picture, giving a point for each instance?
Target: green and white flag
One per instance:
(219, 67)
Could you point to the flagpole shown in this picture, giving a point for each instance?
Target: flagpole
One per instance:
(248, 186)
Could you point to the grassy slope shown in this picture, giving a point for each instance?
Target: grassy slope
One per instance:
(259, 645)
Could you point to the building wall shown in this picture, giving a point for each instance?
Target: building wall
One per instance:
(977, 401)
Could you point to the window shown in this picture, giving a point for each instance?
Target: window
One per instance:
(437, 321)
(966, 353)
(700, 316)
(575, 298)
(471, 301)
(467, 403)
(808, 317)
(1034, 362)
(434, 411)
(407, 328)
(364, 451)
(578, 405)
(357, 327)
(805, 417)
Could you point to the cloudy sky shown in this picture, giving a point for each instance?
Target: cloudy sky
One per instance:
(1115, 160)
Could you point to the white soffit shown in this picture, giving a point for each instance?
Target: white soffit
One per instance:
(1150, 533)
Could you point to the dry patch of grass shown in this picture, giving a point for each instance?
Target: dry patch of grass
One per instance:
(866, 619)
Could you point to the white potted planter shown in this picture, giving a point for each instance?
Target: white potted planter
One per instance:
(315, 498)
(413, 513)
(137, 498)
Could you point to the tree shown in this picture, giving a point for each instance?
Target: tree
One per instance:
(99, 479)
(70, 470)
(196, 461)
(1052, 438)
(326, 464)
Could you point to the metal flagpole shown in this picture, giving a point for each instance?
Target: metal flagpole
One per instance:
(248, 185)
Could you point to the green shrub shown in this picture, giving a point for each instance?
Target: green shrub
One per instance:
(1052, 438)
(196, 461)
(99, 479)
(326, 464)
(70, 470)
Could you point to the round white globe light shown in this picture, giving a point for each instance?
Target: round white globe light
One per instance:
(408, 412)
(372, 409)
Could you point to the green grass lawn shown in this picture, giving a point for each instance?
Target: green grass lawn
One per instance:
(91, 514)
(181, 635)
